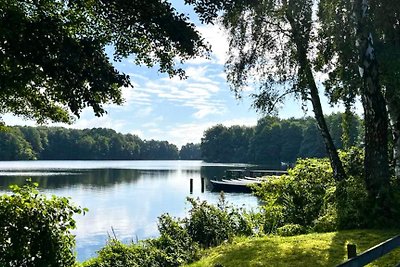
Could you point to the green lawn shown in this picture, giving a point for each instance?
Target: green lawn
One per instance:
(328, 249)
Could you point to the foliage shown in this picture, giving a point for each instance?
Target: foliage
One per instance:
(13, 145)
(180, 239)
(173, 248)
(190, 151)
(36, 230)
(296, 198)
(269, 48)
(291, 230)
(211, 225)
(62, 143)
(360, 46)
(274, 140)
(328, 249)
(117, 254)
(53, 59)
(309, 197)
(177, 245)
(271, 142)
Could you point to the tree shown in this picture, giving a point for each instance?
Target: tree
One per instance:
(52, 53)
(291, 140)
(272, 40)
(312, 145)
(13, 146)
(215, 145)
(358, 34)
(190, 151)
(265, 145)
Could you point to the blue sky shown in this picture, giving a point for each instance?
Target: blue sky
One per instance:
(179, 111)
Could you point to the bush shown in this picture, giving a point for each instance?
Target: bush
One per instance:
(36, 230)
(309, 196)
(296, 198)
(177, 246)
(291, 230)
(211, 225)
(207, 225)
(116, 254)
(174, 247)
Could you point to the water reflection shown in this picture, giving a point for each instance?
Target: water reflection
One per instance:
(125, 195)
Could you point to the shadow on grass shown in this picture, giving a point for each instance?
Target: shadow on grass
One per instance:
(277, 252)
(327, 249)
(363, 239)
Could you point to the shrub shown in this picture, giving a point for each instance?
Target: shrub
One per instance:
(36, 230)
(211, 225)
(296, 198)
(174, 247)
(117, 254)
(309, 196)
(345, 204)
(207, 225)
(177, 246)
(291, 230)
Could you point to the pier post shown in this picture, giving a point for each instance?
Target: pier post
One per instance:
(191, 185)
(202, 184)
(351, 251)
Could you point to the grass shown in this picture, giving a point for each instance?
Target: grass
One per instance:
(326, 249)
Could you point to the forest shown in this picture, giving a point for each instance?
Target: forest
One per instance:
(57, 143)
(270, 142)
(273, 140)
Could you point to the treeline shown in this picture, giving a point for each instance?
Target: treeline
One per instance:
(270, 142)
(51, 143)
(275, 140)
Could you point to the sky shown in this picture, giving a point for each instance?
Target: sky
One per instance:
(178, 111)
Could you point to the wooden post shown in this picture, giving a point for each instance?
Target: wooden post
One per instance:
(191, 185)
(202, 184)
(351, 251)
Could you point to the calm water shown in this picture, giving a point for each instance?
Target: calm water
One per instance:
(126, 196)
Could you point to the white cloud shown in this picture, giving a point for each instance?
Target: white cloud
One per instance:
(218, 40)
(199, 92)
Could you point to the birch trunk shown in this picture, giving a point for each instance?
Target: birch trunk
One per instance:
(393, 104)
(376, 162)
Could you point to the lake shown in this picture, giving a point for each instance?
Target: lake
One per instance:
(126, 196)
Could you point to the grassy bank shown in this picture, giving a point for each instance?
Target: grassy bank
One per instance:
(327, 249)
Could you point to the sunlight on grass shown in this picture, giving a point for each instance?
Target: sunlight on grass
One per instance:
(328, 249)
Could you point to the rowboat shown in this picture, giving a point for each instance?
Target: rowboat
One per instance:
(241, 183)
(233, 185)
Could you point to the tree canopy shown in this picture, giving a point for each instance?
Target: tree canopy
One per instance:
(269, 45)
(53, 60)
(50, 143)
(273, 140)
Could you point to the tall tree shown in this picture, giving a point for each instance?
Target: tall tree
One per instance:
(52, 53)
(385, 19)
(190, 151)
(356, 34)
(272, 40)
(376, 161)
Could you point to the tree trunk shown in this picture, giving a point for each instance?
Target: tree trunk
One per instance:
(376, 162)
(395, 122)
(301, 45)
(336, 164)
(393, 104)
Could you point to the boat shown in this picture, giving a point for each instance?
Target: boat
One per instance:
(240, 180)
(233, 185)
